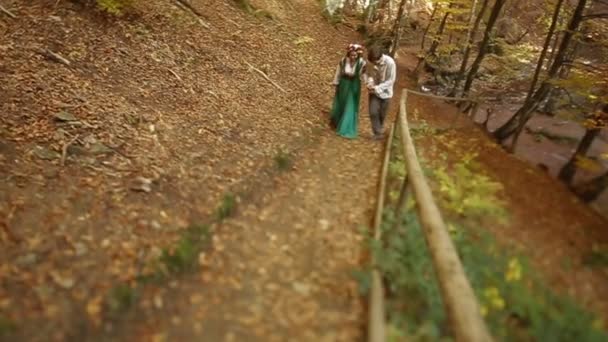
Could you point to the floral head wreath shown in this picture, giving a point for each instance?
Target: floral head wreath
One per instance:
(355, 47)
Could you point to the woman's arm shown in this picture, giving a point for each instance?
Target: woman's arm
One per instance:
(337, 76)
(364, 76)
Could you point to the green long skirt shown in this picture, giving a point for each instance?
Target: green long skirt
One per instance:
(345, 110)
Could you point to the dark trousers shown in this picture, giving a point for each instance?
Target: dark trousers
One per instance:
(377, 113)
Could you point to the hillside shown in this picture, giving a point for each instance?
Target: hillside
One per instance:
(169, 174)
(156, 118)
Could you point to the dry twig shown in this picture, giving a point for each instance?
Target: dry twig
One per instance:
(265, 76)
(185, 5)
(175, 74)
(7, 12)
(64, 149)
(55, 57)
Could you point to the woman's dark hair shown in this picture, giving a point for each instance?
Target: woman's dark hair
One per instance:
(374, 53)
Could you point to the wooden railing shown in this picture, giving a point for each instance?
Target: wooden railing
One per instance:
(462, 308)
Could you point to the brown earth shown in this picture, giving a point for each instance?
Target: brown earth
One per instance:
(165, 118)
(192, 118)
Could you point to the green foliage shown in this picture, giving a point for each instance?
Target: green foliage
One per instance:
(6, 326)
(184, 254)
(334, 19)
(262, 13)
(516, 305)
(396, 168)
(227, 207)
(116, 7)
(597, 257)
(180, 257)
(246, 6)
(466, 191)
(121, 298)
(422, 128)
(514, 302)
(283, 160)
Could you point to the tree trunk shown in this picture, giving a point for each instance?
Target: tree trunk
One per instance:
(524, 114)
(472, 17)
(397, 29)
(591, 190)
(371, 9)
(426, 30)
(440, 30)
(543, 53)
(467, 49)
(539, 67)
(422, 63)
(567, 172)
(553, 48)
(483, 46)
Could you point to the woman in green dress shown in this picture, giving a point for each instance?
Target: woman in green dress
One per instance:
(349, 74)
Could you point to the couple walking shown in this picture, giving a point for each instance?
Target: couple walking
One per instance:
(379, 81)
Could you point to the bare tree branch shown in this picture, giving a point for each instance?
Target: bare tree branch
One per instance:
(263, 74)
(7, 12)
(55, 57)
(64, 149)
(595, 16)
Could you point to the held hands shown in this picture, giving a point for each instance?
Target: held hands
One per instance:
(371, 87)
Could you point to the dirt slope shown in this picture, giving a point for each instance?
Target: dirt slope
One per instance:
(282, 270)
(155, 95)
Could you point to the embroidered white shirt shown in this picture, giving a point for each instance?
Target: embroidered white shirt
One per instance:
(383, 77)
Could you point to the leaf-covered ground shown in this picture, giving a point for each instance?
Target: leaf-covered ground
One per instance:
(105, 163)
(282, 268)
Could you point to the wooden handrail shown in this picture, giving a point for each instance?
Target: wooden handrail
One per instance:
(458, 297)
(376, 326)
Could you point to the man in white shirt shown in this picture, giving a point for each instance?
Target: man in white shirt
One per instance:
(380, 86)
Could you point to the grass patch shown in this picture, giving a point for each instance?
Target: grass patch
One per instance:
(467, 192)
(283, 160)
(6, 326)
(115, 7)
(121, 298)
(262, 13)
(173, 260)
(227, 207)
(597, 257)
(184, 255)
(334, 19)
(246, 6)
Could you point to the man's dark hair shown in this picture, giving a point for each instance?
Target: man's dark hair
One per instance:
(374, 53)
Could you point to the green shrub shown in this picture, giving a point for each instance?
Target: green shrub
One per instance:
(283, 160)
(184, 254)
(116, 7)
(515, 303)
(227, 207)
(121, 298)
